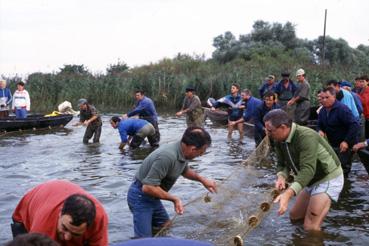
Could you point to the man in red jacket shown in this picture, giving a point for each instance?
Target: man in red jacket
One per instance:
(64, 212)
(363, 92)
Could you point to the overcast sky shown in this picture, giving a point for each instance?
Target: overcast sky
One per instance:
(43, 35)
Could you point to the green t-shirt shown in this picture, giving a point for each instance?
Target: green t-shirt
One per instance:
(163, 166)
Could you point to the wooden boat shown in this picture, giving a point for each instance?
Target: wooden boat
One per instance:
(34, 122)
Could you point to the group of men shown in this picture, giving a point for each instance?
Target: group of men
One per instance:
(73, 217)
(19, 103)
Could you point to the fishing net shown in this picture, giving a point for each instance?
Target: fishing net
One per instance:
(225, 218)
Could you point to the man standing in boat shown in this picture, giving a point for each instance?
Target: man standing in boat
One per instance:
(192, 108)
(318, 176)
(145, 109)
(64, 212)
(21, 101)
(5, 99)
(156, 176)
(89, 117)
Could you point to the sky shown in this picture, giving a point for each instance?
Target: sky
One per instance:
(44, 35)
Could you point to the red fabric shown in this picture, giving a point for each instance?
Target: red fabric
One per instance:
(364, 96)
(40, 208)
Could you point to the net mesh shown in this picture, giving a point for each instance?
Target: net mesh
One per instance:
(225, 218)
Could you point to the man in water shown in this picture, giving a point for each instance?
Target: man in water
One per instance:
(89, 117)
(156, 176)
(145, 109)
(64, 212)
(318, 176)
(192, 108)
(133, 131)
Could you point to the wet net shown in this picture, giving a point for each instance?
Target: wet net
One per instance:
(225, 218)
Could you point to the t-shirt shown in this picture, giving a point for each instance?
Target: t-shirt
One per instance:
(163, 166)
(40, 208)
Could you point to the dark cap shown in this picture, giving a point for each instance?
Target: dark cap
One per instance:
(82, 101)
(189, 88)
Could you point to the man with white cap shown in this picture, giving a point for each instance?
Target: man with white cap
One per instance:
(301, 98)
(5, 99)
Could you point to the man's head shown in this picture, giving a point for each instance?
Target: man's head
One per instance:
(300, 75)
(270, 79)
(357, 82)
(285, 76)
(139, 95)
(334, 84)
(235, 88)
(77, 214)
(2, 83)
(246, 94)
(82, 104)
(277, 124)
(269, 99)
(328, 97)
(114, 121)
(20, 86)
(195, 141)
(32, 239)
(346, 85)
(189, 91)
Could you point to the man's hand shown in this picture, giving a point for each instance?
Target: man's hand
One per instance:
(125, 116)
(358, 146)
(343, 146)
(280, 184)
(178, 207)
(210, 185)
(290, 102)
(86, 122)
(179, 113)
(283, 200)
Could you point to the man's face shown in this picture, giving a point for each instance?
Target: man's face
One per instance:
(270, 81)
(278, 134)
(300, 78)
(83, 106)
(245, 96)
(195, 152)
(189, 94)
(2, 85)
(234, 90)
(113, 124)
(269, 101)
(327, 99)
(139, 96)
(66, 231)
(20, 87)
(362, 83)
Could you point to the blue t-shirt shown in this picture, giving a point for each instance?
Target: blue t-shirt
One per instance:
(145, 109)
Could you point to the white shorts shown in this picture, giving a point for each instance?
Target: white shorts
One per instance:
(331, 187)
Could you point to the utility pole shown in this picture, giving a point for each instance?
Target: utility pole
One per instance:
(323, 51)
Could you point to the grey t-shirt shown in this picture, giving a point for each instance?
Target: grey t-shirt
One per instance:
(163, 166)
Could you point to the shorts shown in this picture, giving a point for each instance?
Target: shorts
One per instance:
(331, 187)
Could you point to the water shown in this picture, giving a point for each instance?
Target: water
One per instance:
(28, 159)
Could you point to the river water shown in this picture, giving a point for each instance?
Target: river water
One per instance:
(28, 159)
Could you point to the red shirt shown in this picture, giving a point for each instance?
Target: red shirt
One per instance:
(40, 208)
(364, 96)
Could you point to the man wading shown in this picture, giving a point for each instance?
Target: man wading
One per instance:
(158, 173)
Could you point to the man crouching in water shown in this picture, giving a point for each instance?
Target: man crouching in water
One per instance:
(158, 173)
(318, 176)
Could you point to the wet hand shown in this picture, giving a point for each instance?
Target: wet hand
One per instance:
(178, 207)
(210, 185)
(179, 113)
(283, 200)
(280, 184)
(86, 122)
(322, 134)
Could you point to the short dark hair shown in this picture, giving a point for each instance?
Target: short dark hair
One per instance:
(247, 92)
(236, 85)
(332, 82)
(331, 90)
(269, 94)
(196, 136)
(140, 91)
(20, 83)
(81, 208)
(365, 77)
(115, 119)
(278, 117)
(32, 239)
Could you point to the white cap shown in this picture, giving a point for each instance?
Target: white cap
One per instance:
(300, 72)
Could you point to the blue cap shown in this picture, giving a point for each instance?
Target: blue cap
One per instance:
(345, 83)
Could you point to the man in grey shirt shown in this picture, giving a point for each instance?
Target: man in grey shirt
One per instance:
(158, 173)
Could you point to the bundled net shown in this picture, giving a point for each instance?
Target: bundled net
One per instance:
(225, 218)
